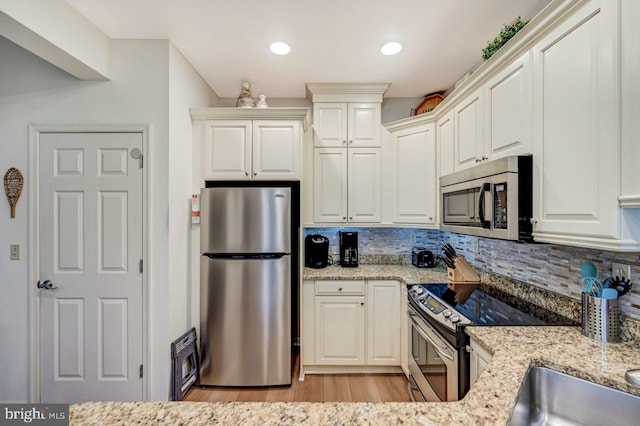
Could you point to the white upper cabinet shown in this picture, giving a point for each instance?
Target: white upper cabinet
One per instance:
(276, 149)
(330, 185)
(630, 30)
(508, 110)
(347, 165)
(330, 124)
(446, 144)
(469, 136)
(227, 149)
(346, 124)
(414, 174)
(577, 133)
(245, 144)
(364, 185)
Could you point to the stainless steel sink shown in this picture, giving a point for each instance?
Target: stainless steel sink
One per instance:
(548, 397)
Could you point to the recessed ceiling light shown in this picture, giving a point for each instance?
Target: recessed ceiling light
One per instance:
(391, 48)
(280, 48)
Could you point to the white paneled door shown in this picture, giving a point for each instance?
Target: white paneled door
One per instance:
(90, 248)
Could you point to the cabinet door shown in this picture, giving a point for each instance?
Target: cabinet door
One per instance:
(307, 328)
(509, 111)
(383, 323)
(364, 125)
(276, 149)
(330, 124)
(479, 358)
(577, 151)
(330, 185)
(227, 150)
(468, 131)
(365, 183)
(415, 176)
(446, 144)
(340, 336)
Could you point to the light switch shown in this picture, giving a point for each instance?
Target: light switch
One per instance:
(15, 251)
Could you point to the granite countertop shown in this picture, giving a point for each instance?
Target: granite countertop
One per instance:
(489, 401)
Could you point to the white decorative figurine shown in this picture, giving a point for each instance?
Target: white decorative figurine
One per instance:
(245, 100)
(262, 101)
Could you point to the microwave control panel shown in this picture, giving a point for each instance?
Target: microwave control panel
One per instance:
(500, 205)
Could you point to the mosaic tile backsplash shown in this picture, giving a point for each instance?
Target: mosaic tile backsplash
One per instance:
(552, 267)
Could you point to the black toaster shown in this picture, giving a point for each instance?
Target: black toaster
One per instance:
(422, 258)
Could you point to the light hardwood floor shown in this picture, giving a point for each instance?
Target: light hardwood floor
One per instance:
(315, 388)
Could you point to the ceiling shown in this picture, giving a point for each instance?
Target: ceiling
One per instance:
(227, 41)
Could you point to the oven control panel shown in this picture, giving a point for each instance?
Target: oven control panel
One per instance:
(436, 308)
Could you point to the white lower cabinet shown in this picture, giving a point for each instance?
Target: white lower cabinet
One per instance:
(383, 323)
(341, 328)
(479, 358)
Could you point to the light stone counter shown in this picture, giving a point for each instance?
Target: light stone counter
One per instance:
(489, 401)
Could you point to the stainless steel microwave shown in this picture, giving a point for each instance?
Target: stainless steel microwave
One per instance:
(493, 199)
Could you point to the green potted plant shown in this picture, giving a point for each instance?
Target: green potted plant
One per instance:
(506, 33)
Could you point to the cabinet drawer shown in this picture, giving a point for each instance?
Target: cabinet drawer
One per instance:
(348, 287)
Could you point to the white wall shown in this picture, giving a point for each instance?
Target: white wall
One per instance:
(186, 89)
(34, 91)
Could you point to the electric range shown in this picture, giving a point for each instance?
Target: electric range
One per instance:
(437, 315)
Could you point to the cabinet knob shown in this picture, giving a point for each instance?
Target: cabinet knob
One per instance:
(472, 217)
(255, 173)
(350, 217)
(339, 288)
(478, 160)
(468, 348)
(485, 158)
(344, 141)
(246, 173)
(344, 218)
(430, 218)
(361, 303)
(351, 141)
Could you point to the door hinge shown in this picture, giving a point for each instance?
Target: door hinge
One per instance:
(141, 160)
(141, 371)
(140, 267)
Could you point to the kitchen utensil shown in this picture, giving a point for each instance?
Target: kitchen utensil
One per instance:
(449, 262)
(588, 269)
(13, 182)
(609, 293)
(590, 286)
(449, 248)
(623, 287)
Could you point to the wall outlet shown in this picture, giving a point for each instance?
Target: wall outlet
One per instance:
(412, 238)
(475, 245)
(621, 270)
(14, 249)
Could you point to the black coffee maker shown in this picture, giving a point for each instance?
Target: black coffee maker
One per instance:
(349, 249)
(316, 251)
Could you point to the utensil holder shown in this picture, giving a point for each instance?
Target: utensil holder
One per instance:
(601, 318)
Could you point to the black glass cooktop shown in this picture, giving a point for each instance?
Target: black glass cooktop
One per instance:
(499, 308)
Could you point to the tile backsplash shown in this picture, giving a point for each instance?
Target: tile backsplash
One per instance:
(552, 267)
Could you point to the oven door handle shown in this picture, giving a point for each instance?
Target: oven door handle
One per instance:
(442, 350)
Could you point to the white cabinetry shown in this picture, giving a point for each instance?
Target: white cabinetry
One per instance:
(341, 124)
(630, 55)
(508, 106)
(340, 325)
(415, 176)
(479, 358)
(446, 144)
(469, 136)
(241, 144)
(577, 133)
(350, 325)
(347, 166)
(383, 323)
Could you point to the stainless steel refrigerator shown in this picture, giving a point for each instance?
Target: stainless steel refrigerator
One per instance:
(245, 286)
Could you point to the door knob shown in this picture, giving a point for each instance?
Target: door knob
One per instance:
(47, 285)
